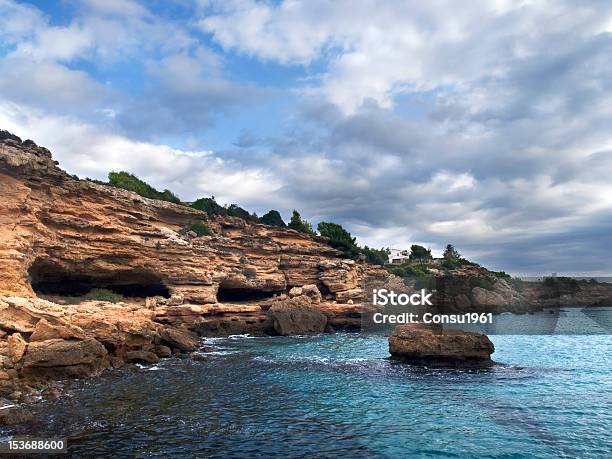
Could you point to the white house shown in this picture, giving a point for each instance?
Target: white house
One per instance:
(398, 255)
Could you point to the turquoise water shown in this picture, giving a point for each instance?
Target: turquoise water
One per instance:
(339, 395)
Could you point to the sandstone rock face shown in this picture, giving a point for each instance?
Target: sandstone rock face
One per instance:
(425, 344)
(297, 316)
(45, 330)
(312, 292)
(57, 230)
(16, 347)
(61, 236)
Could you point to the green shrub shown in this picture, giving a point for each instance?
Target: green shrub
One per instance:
(339, 238)
(201, 229)
(417, 271)
(300, 225)
(398, 270)
(419, 253)
(103, 294)
(502, 275)
(562, 283)
(451, 263)
(209, 205)
(273, 218)
(518, 284)
(450, 253)
(409, 271)
(130, 182)
(376, 256)
(234, 210)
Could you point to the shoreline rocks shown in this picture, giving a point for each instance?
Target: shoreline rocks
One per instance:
(433, 345)
(42, 342)
(297, 316)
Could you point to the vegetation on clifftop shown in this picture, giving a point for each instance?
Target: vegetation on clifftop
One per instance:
(338, 237)
(300, 225)
(130, 182)
(273, 218)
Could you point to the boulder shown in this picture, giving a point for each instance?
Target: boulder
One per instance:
(66, 357)
(312, 292)
(163, 351)
(141, 356)
(16, 347)
(484, 298)
(297, 316)
(433, 345)
(462, 301)
(295, 291)
(45, 330)
(14, 415)
(179, 339)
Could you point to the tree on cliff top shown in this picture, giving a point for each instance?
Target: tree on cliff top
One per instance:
(450, 253)
(208, 205)
(234, 210)
(339, 238)
(273, 218)
(419, 253)
(300, 225)
(130, 182)
(376, 256)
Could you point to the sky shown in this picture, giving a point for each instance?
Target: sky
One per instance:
(485, 124)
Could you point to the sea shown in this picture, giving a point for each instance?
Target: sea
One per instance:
(340, 395)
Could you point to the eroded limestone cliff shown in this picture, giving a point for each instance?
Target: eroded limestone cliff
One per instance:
(61, 237)
(59, 234)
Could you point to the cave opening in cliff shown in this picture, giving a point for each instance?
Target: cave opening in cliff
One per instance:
(240, 295)
(52, 280)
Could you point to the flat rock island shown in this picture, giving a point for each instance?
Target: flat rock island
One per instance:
(433, 345)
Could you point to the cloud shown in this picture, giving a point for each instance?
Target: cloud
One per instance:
(485, 124)
(185, 92)
(18, 22)
(101, 31)
(378, 50)
(50, 86)
(184, 86)
(88, 151)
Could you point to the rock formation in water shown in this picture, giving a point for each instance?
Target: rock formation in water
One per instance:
(432, 345)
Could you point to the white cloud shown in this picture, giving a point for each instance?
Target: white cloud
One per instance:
(18, 22)
(56, 43)
(376, 50)
(88, 151)
(482, 123)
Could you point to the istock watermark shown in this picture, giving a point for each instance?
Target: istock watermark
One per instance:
(490, 305)
(384, 297)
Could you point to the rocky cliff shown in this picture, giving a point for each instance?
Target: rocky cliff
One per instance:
(61, 237)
